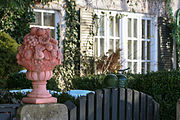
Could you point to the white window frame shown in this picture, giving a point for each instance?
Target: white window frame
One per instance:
(57, 19)
(124, 38)
(106, 36)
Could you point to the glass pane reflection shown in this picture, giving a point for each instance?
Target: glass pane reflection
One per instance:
(135, 28)
(143, 29)
(129, 27)
(111, 26)
(49, 19)
(101, 46)
(37, 18)
(101, 25)
(129, 49)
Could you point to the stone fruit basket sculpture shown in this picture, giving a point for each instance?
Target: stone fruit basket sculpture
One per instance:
(39, 54)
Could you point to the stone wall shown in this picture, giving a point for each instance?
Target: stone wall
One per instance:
(155, 7)
(165, 45)
(175, 6)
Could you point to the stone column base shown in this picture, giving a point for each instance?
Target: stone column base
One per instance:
(42, 112)
(39, 100)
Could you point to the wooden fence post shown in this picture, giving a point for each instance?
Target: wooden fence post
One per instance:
(72, 109)
(136, 105)
(129, 104)
(82, 108)
(90, 106)
(114, 109)
(106, 104)
(149, 108)
(122, 100)
(156, 110)
(98, 104)
(143, 106)
(178, 110)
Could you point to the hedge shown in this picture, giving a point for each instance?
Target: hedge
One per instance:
(163, 86)
(90, 82)
(8, 50)
(19, 81)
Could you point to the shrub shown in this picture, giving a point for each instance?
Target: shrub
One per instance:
(52, 85)
(14, 98)
(91, 82)
(2, 83)
(163, 86)
(63, 97)
(19, 81)
(8, 48)
(10, 98)
(110, 63)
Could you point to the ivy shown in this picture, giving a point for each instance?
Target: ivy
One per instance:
(15, 18)
(175, 30)
(71, 47)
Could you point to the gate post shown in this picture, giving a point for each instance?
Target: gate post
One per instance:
(53, 111)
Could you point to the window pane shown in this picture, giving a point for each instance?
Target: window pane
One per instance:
(148, 29)
(52, 33)
(111, 26)
(117, 27)
(101, 25)
(148, 50)
(129, 49)
(37, 19)
(143, 28)
(135, 28)
(117, 44)
(96, 27)
(101, 46)
(143, 50)
(143, 67)
(135, 49)
(96, 47)
(135, 67)
(111, 44)
(148, 67)
(130, 66)
(129, 27)
(49, 19)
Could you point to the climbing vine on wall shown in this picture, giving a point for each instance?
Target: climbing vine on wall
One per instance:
(15, 18)
(71, 47)
(175, 30)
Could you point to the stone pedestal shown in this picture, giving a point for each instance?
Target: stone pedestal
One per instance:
(178, 110)
(42, 112)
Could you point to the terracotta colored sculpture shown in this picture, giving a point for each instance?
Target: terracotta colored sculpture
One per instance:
(39, 54)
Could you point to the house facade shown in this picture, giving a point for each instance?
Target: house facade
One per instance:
(138, 27)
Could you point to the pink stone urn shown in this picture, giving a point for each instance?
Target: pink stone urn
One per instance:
(39, 54)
